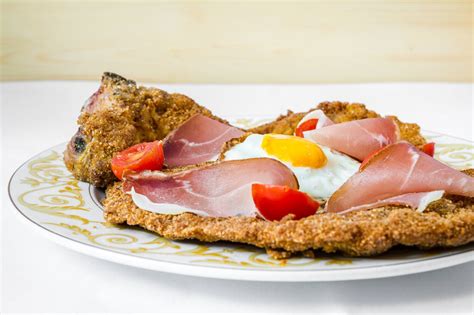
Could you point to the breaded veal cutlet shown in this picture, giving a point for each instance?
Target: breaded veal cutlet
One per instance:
(121, 114)
(445, 223)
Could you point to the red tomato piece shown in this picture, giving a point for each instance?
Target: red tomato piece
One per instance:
(310, 124)
(140, 157)
(275, 202)
(429, 148)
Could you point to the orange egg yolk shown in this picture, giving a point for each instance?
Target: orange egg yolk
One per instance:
(295, 150)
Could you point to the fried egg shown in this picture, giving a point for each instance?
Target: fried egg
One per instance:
(320, 171)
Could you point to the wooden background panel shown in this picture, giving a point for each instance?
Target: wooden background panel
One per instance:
(244, 41)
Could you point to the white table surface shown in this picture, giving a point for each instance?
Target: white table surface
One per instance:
(39, 276)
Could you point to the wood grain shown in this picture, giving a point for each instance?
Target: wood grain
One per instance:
(233, 42)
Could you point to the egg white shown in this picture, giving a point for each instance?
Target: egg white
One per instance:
(319, 183)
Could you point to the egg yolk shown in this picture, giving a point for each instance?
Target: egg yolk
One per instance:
(295, 150)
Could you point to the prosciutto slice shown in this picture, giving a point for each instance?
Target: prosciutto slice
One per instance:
(318, 114)
(357, 138)
(198, 140)
(218, 190)
(397, 170)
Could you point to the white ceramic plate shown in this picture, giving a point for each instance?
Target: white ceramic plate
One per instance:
(67, 211)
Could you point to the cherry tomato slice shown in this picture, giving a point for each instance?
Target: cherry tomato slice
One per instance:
(140, 157)
(310, 124)
(429, 148)
(275, 202)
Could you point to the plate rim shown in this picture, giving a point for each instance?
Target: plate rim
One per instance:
(252, 274)
(219, 272)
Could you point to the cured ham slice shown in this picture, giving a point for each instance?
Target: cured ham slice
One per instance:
(357, 138)
(218, 190)
(323, 120)
(418, 201)
(396, 170)
(198, 140)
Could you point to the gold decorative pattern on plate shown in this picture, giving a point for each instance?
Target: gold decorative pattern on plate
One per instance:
(55, 191)
(53, 198)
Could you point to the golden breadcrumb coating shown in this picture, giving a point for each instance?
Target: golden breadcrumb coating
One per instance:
(445, 223)
(126, 115)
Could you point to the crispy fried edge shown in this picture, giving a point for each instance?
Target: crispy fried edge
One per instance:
(447, 222)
